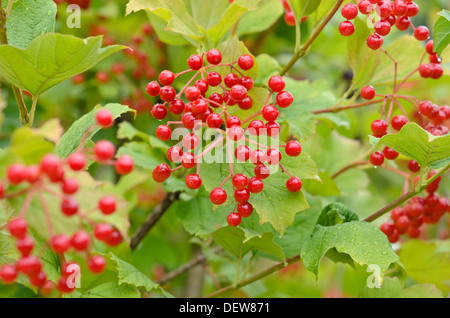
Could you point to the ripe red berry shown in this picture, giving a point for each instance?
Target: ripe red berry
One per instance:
(255, 185)
(270, 113)
(394, 236)
(176, 106)
(346, 28)
(233, 121)
(8, 273)
(25, 245)
(190, 141)
(244, 209)
(438, 71)
(202, 85)
(70, 185)
(69, 206)
(242, 153)
(402, 224)
(365, 7)
(234, 219)
(387, 228)
(33, 173)
(239, 181)
(238, 92)
(29, 265)
(214, 56)
(60, 243)
(16, 173)
(379, 127)
(383, 27)
(272, 128)
(103, 231)
(376, 158)
(284, 99)
(398, 122)
(214, 79)
(102, 77)
(166, 78)
(188, 160)
(163, 132)
(412, 9)
(63, 286)
(277, 83)
(289, 18)
(199, 107)
(195, 62)
(399, 8)
(235, 133)
(247, 82)
(107, 205)
(396, 213)
(242, 195)
(214, 120)
(231, 79)
(167, 93)
(104, 118)
(104, 150)
(273, 156)
(192, 93)
(193, 181)
(413, 166)
(18, 228)
(293, 148)
(80, 241)
(403, 23)
(77, 161)
(246, 62)
(429, 47)
(349, 11)
(124, 164)
(421, 33)
(96, 264)
(384, 9)
(218, 196)
(115, 239)
(294, 184)
(389, 153)
(258, 156)
(262, 171)
(374, 41)
(188, 119)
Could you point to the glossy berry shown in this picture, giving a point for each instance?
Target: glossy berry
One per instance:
(192, 93)
(60, 243)
(384, 9)
(426, 70)
(289, 18)
(199, 107)
(176, 106)
(63, 286)
(239, 181)
(412, 9)
(346, 28)
(258, 156)
(398, 122)
(365, 7)
(80, 241)
(202, 85)
(213, 79)
(96, 264)
(159, 111)
(421, 33)
(102, 231)
(389, 153)
(376, 158)
(402, 224)
(39, 279)
(399, 8)
(383, 27)
(246, 62)
(69, 206)
(374, 41)
(104, 118)
(262, 171)
(188, 160)
(379, 127)
(277, 83)
(272, 128)
(167, 93)
(429, 47)
(190, 141)
(238, 92)
(270, 113)
(368, 92)
(255, 185)
(218, 196)
(214, 120)
(284, 99)
(294, 184)
(188, 119)
(193, 181)
(403, 23)
(124, 164)
(273, 156)
(247, 82)
(166, 78)
(234, 219)
(163, 132)
(8, 273)
(214, 57)
(242, 195)
(387, 228)
(70, 185)
(235, 133)
(233, 121)
(244, 209)
(29, 265)
(104, 150)
(350, 11)
(16, 173)
(195, 62)
(293, 148)
(107, 205)
(231, 79)
(413, 166)
(25, 245)
(115, 239)
(242, 153)
(77, 161)
(18, 228)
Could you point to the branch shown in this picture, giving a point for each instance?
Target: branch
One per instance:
(339, 109)
(304, 48)
(151, 220)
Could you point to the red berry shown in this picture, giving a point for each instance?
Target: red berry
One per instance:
(8, 273)
(242, 153)
(246, 62)
(374, 41)
(96, 264)
(383, 27)
(176, 106)
(29, 265)
(104, 118)
(188, 119)
(396, 213)
(47, 288)
(429, 47)
(166, 78)
(294, 184)
(412, 9)
(270, 113)
(60, 243)
(421, 33)
(384, 9)
(80, 241)
(255, 185)
(193, 181)
(18, 228)
(262, 171)
(242, 195)
(190, 141)
(199, 107)
(399, 8)
(192, 93)
(247, 82)
(107, 205)
(349, 11)
(438, 71)
(214, 57)
(163, 132)
(284, 99)
(16, 173)
(33, 173)
(214, 79)
(258, 157)
(218, 196)
(25, 245)
(233, 121)
(389, 153)
(217, 99)
(115, 239)
(346, 28)
(277, 83)
(70, 185)
(188, 160)
(413, 232)
(379, 127)
(231, 79)
(398, 122)
(234, 219)
(202, 85)
(387, 228)
(402, 224)
(69, 206)
(77, 161)
(214, 120)
(413, 166)
(376, 158)
(235, 133)
(365, 7)
(102, 77)
(238, 92)
(124, 164)
(104, 150)
(245, 209)
(246, 103)
(273, 156)
(239, 181)
(293, 148)
(394, 236)
(167, 94)
(255, 127)
(272, 128)
(289, 18)
(403, 23)
(103, 231)
(195, 62)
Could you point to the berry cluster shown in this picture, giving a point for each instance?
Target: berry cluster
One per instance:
(37, 180)
(387, 14)
(416, 212)
(433, 69)
(211, 110)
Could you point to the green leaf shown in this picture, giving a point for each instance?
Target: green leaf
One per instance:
(142, 154)
(426, 264)
(128, 131)
(336, 213)
(441, 37)
(173, 12)
(29, 145)
(111, 290)
(418, 144)
(261, 19)
(362, 242)
(392, 288)
(131, 276)
(325, 186)
(168, 37)
(50, 59)
(28, 19)
(73, 136)
(268, 66)
(231, 50)
(305, 7)
(239, 241)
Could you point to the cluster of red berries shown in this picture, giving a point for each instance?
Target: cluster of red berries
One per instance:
(388, 14)
(433, 69)
(37, 180)
(212, 112)
(416, 212)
